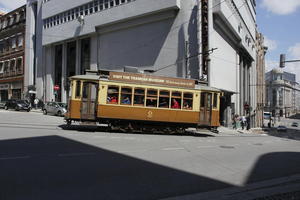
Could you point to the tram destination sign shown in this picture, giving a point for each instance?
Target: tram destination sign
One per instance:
(149, 79)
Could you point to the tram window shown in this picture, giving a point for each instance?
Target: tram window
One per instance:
(139, 97)
(215, 101)
(188, 101)
(151, 100)
(113, 94)
(78, 87)
(202, 100)
(176, 100)
(164, 99)
(209, 96)
(126, 95)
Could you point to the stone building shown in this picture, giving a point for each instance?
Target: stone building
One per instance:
(281, 93)
(12, 46)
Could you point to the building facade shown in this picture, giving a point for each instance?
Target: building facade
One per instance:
(211, 41)
(281, 93)
(233, 69)
(12, 49)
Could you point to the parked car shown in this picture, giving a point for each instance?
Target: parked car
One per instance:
(55, 108)
(2, 104)
(281, 128)
(295, 124)
(17, 105)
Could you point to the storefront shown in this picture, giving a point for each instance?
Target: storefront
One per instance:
(13, 90)
(4, 92)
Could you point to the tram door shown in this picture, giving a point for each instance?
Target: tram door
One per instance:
(89, 101)
(205, 108)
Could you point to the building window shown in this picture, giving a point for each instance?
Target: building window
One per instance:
(20, 41)
(1, 46)
(6, 67)
(13, 65)
(86, 9)
(19, 64)
(71, 62)
(13, 43)
(85, 54)
(58, 71)
(1, 67)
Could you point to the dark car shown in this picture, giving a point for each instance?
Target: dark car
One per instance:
(55, 108)
(295, 124)
(17, 105)
(281, 128)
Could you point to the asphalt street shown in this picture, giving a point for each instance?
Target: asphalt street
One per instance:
(40, 158)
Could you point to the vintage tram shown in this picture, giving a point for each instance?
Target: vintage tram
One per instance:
(141, 102)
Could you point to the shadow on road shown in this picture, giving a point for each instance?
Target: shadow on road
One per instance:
(54, 167)
(292, 134)
(95, 128)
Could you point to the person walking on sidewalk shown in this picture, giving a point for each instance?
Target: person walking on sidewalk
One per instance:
(243, 122)
(36, 102)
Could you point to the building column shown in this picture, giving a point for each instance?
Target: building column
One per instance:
(78, 57)
(64, 73)
(93, 52)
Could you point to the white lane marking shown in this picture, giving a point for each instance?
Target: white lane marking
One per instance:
(15, 158)
(75, 154)
(172, 148)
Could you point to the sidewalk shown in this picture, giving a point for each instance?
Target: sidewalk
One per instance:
(230, 130)
(36, 110)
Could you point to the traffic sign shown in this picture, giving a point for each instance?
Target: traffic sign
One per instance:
(56, 87)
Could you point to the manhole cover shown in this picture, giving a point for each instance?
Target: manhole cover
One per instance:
(227, 147)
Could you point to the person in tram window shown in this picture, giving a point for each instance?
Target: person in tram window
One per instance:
(113, 99)
(126, 100)
(186, 105)
(163, 103)
(175, 104)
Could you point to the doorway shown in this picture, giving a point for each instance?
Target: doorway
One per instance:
(205, 108)
(89, 101)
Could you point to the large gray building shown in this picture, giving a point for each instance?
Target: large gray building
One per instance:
(163, 37)
(282, 92)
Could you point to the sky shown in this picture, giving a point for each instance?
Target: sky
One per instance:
(278, 20)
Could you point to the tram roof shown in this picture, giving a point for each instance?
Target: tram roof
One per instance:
(98, 77)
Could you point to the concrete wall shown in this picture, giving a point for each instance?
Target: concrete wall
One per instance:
(123, 12)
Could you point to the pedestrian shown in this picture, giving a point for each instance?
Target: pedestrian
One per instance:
(36, 101)
(243, 122)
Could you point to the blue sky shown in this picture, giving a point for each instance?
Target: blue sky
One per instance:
(278, 20)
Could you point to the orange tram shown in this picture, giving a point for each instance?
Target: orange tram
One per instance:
(140, 102)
